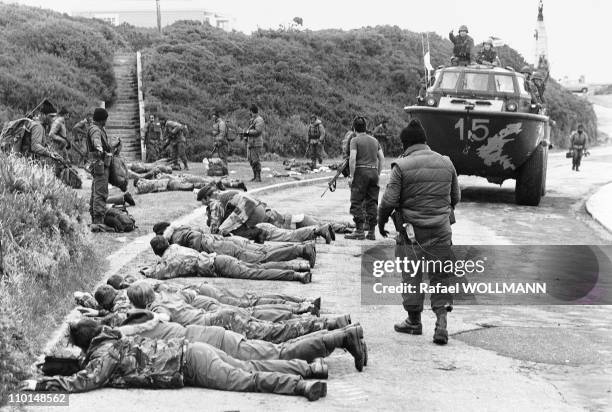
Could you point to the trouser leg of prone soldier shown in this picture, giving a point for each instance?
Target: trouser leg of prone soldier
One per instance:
(275, 234)
(359, 189)
(293, 366)
(284, 253)
(272, 313)
(283, 331)
(229, 267)
(308, 348)
(413, 298)
(204, 368)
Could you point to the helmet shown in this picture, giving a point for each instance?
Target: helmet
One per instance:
(463, 28)
(488, 41)
(526, 69)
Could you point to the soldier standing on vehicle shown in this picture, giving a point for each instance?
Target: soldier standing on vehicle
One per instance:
(578, 146)
(380, 133)
(316, 135)
(59, 134)
(219, 133)
(100, 155)
(462, 47)
(175, 135)
(487, 55)
(422, 192)
(254, 136)
(365, 166)
(530, 86)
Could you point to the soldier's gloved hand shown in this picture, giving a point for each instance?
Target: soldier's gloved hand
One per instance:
(28, 385)
(382, 231)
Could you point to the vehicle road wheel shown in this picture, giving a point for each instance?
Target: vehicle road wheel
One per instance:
(530, 180)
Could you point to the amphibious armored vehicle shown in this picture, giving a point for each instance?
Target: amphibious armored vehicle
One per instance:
(485, 119)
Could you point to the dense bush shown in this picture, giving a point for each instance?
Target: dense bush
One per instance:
(336, 74)
(48, 54)
(47, 254)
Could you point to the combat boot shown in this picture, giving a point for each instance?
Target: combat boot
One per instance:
(412, 325)
(349, 338)
(318, 369)
(440, 333)
(258, 176)
(298, 266)
(324, 232)
(339, 322)
(242, 186)
(304, 277)
(310, 253)
(357, 234)
(312, 391)
(129, 199)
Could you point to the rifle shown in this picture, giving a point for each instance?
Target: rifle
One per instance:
(331, 184)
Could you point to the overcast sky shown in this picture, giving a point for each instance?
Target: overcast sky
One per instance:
(578, 31)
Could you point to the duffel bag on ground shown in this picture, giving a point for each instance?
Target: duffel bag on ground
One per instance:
(119, 219)
(71, 178)
(216, 167)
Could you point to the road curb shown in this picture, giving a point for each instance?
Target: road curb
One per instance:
(598, 206)
(120, 258)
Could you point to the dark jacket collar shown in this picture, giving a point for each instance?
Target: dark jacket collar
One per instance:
(414, 148)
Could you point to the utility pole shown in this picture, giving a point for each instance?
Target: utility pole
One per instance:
(158, 16)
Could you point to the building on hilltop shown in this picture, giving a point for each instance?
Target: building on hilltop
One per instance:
(144, 14)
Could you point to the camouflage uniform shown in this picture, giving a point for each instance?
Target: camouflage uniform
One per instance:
(462, 48)
(239, 322)
(176, 136)
(254, 134)
(488, 56)
(137, 362)
(59, 135)
(316, 136)
(219, 133)
(308, 347)
(98, 147)
(179, 261)
(237, 247)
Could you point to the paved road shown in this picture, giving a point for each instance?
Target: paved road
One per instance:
(499, 358)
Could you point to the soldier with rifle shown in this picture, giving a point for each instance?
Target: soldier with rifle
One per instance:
(254, 137)
(175, 135)
(220, 134)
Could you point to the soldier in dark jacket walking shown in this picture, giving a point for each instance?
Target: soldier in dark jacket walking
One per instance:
(578, 146)
(423, 191)
(100, 154)
(365, 165)
(462, 47)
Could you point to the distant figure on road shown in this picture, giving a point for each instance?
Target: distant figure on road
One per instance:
(175, 135)
(254, 136)
(578, 146)
(316, 136)
(365, 165)
(422, 192)
(59, 134)
(462, 47)
(220, 134)
(152, 136)
(487, 55)
(113, 360)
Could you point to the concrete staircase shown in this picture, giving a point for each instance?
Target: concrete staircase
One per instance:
(123, 116)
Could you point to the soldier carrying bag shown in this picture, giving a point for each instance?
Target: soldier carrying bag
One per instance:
(119, 219)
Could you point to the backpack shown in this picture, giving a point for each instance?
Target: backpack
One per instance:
(119, 219)
(216, 167)
(71, 178)
(13, 133)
